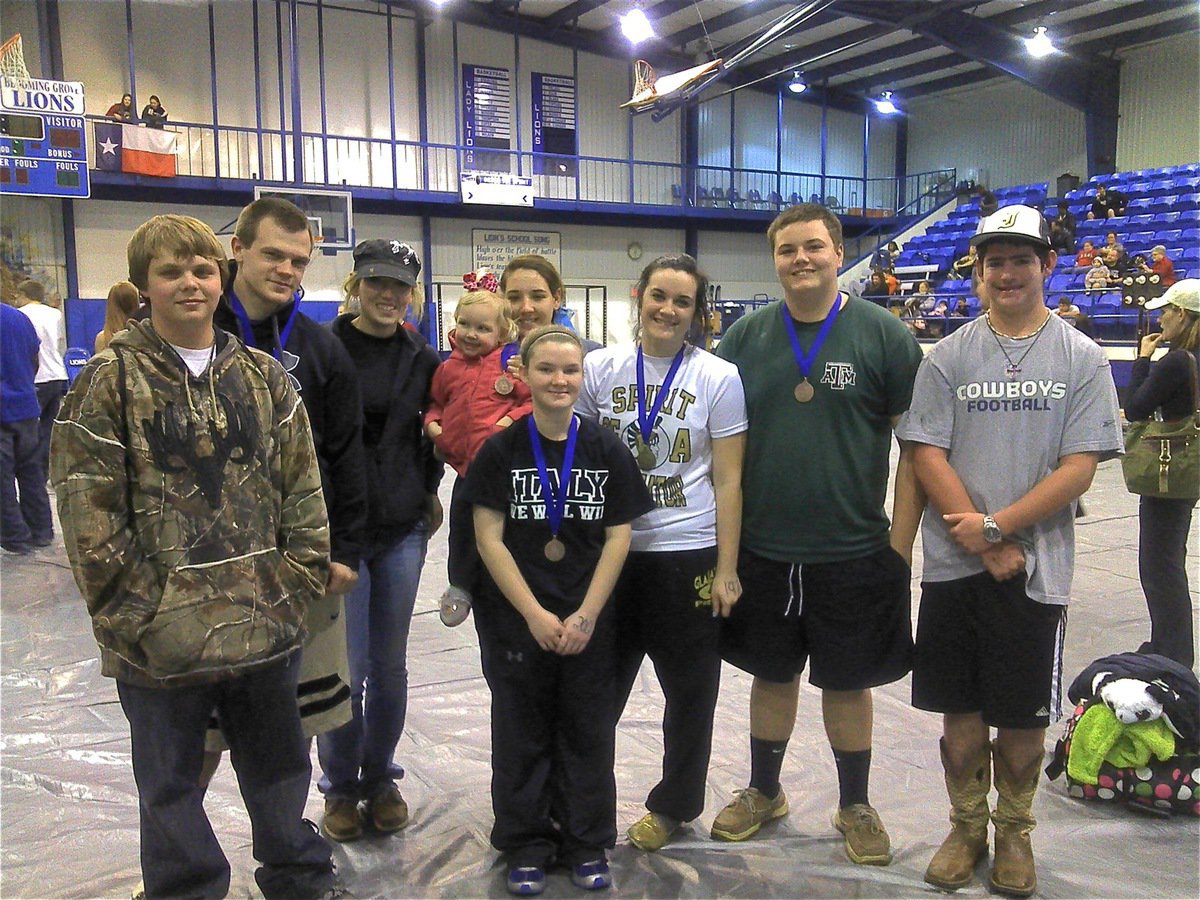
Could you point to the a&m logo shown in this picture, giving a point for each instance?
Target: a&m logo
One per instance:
(838, 375)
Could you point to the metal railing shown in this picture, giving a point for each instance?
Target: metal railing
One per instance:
(230, 152)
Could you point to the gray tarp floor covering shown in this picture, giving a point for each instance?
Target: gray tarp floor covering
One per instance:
(69, 807)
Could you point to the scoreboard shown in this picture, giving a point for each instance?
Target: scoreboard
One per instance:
(43, 151)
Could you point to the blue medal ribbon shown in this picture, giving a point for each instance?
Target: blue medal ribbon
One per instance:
(556, 503)
(806, 360)
(646, 421)
(509, 351)
(248, 327)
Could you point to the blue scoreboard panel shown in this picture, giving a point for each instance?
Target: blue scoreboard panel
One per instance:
(43, 152)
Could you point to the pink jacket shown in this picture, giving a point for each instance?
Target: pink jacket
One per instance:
(467, 405)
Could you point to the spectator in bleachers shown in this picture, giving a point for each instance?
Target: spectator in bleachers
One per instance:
(963, 266)
(153, 113)
(988, 203)
(1083, 259)
(1160, 265)
(122, 111)
(961, 309)
(877, 289)
(1066, 309)
(1099, 277)
(1113, 253)
(1107, 203)
(1061, 240)
(1065, 219)
(893, 283)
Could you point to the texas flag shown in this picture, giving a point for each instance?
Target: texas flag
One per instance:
(135, 149)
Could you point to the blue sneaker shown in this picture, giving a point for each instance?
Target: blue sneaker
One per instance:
(526, 880)
(592, 876)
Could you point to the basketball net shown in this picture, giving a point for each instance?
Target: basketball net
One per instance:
(643, 80)
(12, 58)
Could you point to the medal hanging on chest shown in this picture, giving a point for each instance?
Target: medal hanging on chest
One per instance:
(646, 458)
(555, 501)
(804, 391)
(504, 384)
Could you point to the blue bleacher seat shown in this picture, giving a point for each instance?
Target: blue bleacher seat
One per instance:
(1143, 219)
(1188, 215)
(676, 192)
(1189, 235)
(1139, 238)
(717, 193)
(1061, 282)
(1164, 218)
(776, 200)
(1169, 236)
(701, 194)
(1185, 202)
(1140, 205)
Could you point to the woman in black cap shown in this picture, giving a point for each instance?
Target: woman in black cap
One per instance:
(395, 368)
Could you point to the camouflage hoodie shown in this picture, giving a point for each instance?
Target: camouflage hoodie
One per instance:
(191, 509)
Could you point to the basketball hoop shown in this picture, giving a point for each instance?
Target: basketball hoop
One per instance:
(12, 58)
(643, 78)
(649, 89)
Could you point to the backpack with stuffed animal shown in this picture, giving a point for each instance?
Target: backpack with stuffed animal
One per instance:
(1163, 787)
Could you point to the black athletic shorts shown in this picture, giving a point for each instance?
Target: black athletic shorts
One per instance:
(852, 618)
(984, 646)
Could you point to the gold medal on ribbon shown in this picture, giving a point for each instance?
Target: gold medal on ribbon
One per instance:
(645, 457)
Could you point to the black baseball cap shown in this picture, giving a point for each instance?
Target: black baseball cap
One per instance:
(387, 259)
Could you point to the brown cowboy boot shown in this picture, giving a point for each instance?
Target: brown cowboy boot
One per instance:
(954, 863)
(1013, 869)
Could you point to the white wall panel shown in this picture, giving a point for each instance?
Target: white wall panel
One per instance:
(757, 118)
(740, 263)
(713, 138)
(1005, 131)
(171, 56)
(95, 52)
(1160, 96)
(603, 127)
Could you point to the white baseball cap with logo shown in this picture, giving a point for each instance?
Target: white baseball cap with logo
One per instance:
(1185, 294)
(1014, 223)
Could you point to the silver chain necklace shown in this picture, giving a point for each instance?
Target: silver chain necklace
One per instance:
(1014, 368)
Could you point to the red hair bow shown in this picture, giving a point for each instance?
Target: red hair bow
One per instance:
(473, 281)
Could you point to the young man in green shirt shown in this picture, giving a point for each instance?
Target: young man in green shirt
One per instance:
(825, 577)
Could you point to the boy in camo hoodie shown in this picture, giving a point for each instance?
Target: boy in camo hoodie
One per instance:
(193, 518)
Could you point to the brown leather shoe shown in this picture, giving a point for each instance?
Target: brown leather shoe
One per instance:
(1013, 870)
(953, 866)
(342, 821)
(387, 810)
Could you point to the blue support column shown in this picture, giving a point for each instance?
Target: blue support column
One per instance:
(283, 129)
(321, 91)
(212, 67)
(50, 40)
(862, 209)
(294, 60)
(70, 250)
(689, 123)
(428, 318)
(129, 47)
(900, 170)
(824, 138)
(258, 123)
(779, 142)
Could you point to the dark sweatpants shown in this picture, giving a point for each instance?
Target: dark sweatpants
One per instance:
(664, 611)
(463, 565)
(553, 736)
(261, 722)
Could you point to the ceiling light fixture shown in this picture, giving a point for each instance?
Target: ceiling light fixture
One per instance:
(885, 104)
(636, 27)
(1040, 44)
(797, 85)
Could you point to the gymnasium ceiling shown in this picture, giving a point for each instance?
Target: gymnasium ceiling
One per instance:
(855, 48)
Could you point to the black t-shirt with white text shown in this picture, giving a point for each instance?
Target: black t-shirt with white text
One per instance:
(606, 489)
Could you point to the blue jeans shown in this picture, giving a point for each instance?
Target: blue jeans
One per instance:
(25, 505)
(180, 854)
(357, 758)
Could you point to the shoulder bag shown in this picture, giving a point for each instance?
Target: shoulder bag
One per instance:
(1162, 459)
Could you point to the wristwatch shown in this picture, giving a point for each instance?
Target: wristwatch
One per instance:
(991, 531)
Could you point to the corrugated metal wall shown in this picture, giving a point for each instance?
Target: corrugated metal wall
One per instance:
(1160, 96)
(1005, 132)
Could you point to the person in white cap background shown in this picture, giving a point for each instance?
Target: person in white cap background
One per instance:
(1010, 415)
(1165, 386)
